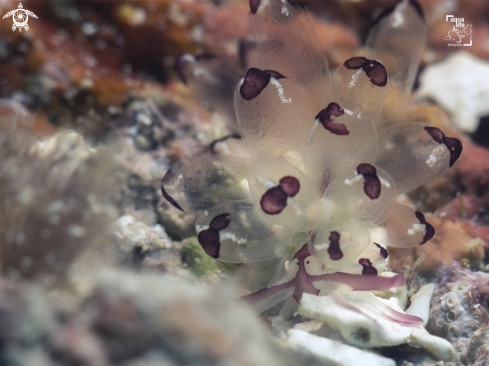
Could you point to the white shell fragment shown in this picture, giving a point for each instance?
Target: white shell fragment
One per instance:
(420, 303)
(458, 84)
(357, 315)
(332, 352)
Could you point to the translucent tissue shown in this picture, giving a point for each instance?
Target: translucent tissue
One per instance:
(311, 185)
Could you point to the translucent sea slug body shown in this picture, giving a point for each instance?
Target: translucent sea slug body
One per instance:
(305, 197)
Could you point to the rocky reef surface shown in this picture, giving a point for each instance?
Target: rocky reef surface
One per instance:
(98, 269)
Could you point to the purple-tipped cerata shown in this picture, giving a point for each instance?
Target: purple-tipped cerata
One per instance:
(290, 185)
(254, 82)
(254, 5)
(210, 242)
(430, 230)
(275, 199)
(355, 63)
(415, 4)
(383, 252)
(213, 144)
(220, 222)
(453, 145)
(209, 239)
(391, 9)
(325, 117)
(436, 134)
(368, 269)
(275, 74)
(371, 186)
(167, 178)
(334, 249)
(374, 70)
(366, 169)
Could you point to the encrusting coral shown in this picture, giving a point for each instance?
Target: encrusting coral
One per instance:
(460, 312)
(310, 184)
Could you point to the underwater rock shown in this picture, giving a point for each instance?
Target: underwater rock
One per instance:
(332, 352)
(94, 63)
(189, 324)
(474, 172)
(39, 331)
(460, 307)
(130, 319)
(143, 246)
(451, 243)
(57, 200)
(178, 225)
(137, 236)
(152, 123)
(478, 350)
(198, 262)
(96, 60)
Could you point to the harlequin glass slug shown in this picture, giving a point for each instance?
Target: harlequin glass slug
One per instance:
(305, 195)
